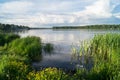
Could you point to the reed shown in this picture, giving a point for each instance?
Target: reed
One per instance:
(48, 47)
(105, 51)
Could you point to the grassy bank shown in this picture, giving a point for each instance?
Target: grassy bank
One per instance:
(16, 55)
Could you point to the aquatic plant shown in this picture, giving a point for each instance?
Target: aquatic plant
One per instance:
(48, 47)
(106, 56)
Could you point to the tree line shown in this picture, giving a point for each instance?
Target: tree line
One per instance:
(89, 27)
(12, 27)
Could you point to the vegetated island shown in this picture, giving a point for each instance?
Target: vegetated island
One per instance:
(89, 27)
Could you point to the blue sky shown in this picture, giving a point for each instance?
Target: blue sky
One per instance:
(41, 13)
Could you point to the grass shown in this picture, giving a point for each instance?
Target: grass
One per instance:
(105, 50)
(106, 53)
(27, 47)
(6, 38)
(17, 54)
(11, 69)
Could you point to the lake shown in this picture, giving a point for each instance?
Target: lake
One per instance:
(63, 41)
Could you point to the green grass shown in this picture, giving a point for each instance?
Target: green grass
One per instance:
(6, 38)
(12, 69)
(17, 54)
(27, 47)
(105, 50)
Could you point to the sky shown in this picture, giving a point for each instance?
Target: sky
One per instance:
(48, 13)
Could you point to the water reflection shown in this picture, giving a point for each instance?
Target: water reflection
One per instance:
(63, 41)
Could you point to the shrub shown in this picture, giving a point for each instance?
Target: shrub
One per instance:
(12, 70)
(27, 47)
(6, 38)
(2, 39)
(48, 74)
(11, 37)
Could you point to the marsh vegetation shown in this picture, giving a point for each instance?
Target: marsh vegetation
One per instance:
(16, 55)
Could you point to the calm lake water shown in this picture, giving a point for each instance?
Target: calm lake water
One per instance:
(63, 41)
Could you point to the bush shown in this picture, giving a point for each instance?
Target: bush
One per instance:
(6, 38)
(11, 37)
(2, 39)
(27, 47)
(12, 70)
(48, 74)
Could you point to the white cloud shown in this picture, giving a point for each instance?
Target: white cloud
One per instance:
(117, 15)
(16, 7)
(99, 9)
(46, 12)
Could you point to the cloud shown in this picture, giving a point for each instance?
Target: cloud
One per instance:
(100, 9)
(15, 7)
(117, 15)
(58, 12)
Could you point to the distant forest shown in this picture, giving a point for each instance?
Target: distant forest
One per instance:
(12, 27)
(89, 27)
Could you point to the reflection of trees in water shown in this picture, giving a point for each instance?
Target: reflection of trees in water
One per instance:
(47, 49)
(16, 31)
(80, 56)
